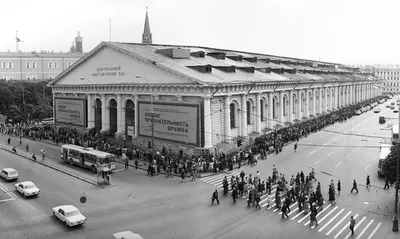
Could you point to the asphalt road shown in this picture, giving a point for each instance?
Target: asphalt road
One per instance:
(156, 207)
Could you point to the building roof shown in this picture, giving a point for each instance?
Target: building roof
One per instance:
(40, 55)
(216, 66)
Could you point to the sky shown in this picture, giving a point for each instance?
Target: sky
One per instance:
(340, 31)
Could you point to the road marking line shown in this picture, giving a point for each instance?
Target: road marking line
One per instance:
(367, 167)
(298, 214)
(365, 228)
(374, 158)
(348, 155)
(337, 164)
(6, 190)
(320, 230)
(117, 170)
(317, 162)
(330, 153)
(293, 211)
(344, 228)
(337, 224)
(374, 231)
(319, 213)
(9, 199)
(355, 228)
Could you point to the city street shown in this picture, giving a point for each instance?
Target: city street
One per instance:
(184, 210)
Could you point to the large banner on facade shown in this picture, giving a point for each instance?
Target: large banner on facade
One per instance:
(70, 111)
(175, 122)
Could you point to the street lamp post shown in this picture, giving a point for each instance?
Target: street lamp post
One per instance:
(395, 219)
(152, 115)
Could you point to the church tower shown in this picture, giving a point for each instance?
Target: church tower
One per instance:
(146, 37)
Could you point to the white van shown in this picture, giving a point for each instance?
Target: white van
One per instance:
(126, 235)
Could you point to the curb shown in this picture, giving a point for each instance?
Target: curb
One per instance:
(86, 180)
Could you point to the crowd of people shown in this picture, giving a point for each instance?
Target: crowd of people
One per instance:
(180, 163)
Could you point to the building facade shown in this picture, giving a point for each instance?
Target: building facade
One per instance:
(391, 78)
(38, 65)
(197, 97)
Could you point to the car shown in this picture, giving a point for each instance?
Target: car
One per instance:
(70, 215)
(27, 189)
(396, 110)
(9, 174)
(358, 112)
(377, 110)
(387, 105)
(126, 235)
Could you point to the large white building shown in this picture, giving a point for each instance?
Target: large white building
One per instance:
(391, 78)
(198, 97)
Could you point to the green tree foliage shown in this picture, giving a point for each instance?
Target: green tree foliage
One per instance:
(389, 165)
(22, 101)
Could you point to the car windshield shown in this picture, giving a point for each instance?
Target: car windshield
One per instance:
(29, 186)
(73, 213)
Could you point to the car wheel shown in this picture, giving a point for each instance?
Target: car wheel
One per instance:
(71, 161)
(94, 170)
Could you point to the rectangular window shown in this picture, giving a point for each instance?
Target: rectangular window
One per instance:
(28, 77)
(27, 65)
(262, 110)
(232, 112)
(34, 77)
(56, 65)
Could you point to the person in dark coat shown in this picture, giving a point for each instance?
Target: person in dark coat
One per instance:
(214, 197)
(339, 186)
(354, 186)
(284, 211)
(234, 194)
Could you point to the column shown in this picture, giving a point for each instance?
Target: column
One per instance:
(258, 113)
(243, 127)
(120, 127)
(336, 98)
(307, 106)
(299, 103)
(135, 98)
(291, 106)
(270, 112)
(351, 94)
(325, 108)
(314, 101)
(104, 110)
(280, 114)
(207, 123)
(227, 118)
(90, 121)
(320, 101)
(330, 98)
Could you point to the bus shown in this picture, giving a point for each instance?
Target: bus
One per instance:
(88, 158)
(385, 151)
(395, 134)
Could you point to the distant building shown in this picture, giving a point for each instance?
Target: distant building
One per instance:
(42, 65)
(390, 74)
(146, 36)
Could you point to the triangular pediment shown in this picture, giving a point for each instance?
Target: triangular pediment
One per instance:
(107, 66)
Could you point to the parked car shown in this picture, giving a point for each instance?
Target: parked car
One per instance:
(377, 110)
(27, 189)
(70, 215)
(396, 110)
(9, 174)
(358, 112)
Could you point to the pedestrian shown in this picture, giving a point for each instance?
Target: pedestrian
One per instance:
(27, 147)
(354, 186)
(214, 197)
(183, 176)
(368, 182)
(20, 140)
(126, 164)
(295, 147)
(352, 224)
(339, 188)
(43, 154)
(269, 200)
(14, 150)
(136, 163)
(34, 157)
(386, 184)
(9, 140)
(284, 209)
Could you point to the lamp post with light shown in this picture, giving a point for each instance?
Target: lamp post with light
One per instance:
(152, 114)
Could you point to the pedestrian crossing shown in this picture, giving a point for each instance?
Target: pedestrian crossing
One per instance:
(333, 221)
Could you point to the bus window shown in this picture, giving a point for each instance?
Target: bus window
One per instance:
(395, 134)
(101, 160)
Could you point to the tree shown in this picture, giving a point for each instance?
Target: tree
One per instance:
(389, 165)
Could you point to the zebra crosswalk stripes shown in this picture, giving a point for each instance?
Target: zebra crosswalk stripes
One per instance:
(332, 220)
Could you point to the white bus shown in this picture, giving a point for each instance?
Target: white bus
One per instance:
(88, 158)
(395, 134)
(385, 151)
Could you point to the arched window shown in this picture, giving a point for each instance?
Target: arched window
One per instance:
(232, 114)
(34, 65)
(10, 65)
(248, 111)
(4, 65)
(262, 105)
(28, 65)
(50, 65)
(55, 64)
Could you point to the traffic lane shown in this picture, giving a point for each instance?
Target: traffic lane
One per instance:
(35, 212)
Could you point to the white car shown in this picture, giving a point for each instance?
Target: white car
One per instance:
(69, 214)
(396, 110)
(27, 189)
(377, 110)
(358, 112)
(9, 174)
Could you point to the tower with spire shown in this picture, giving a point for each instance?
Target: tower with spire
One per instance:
(146, 37)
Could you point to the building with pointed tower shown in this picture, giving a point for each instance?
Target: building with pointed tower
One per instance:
(146, 37)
